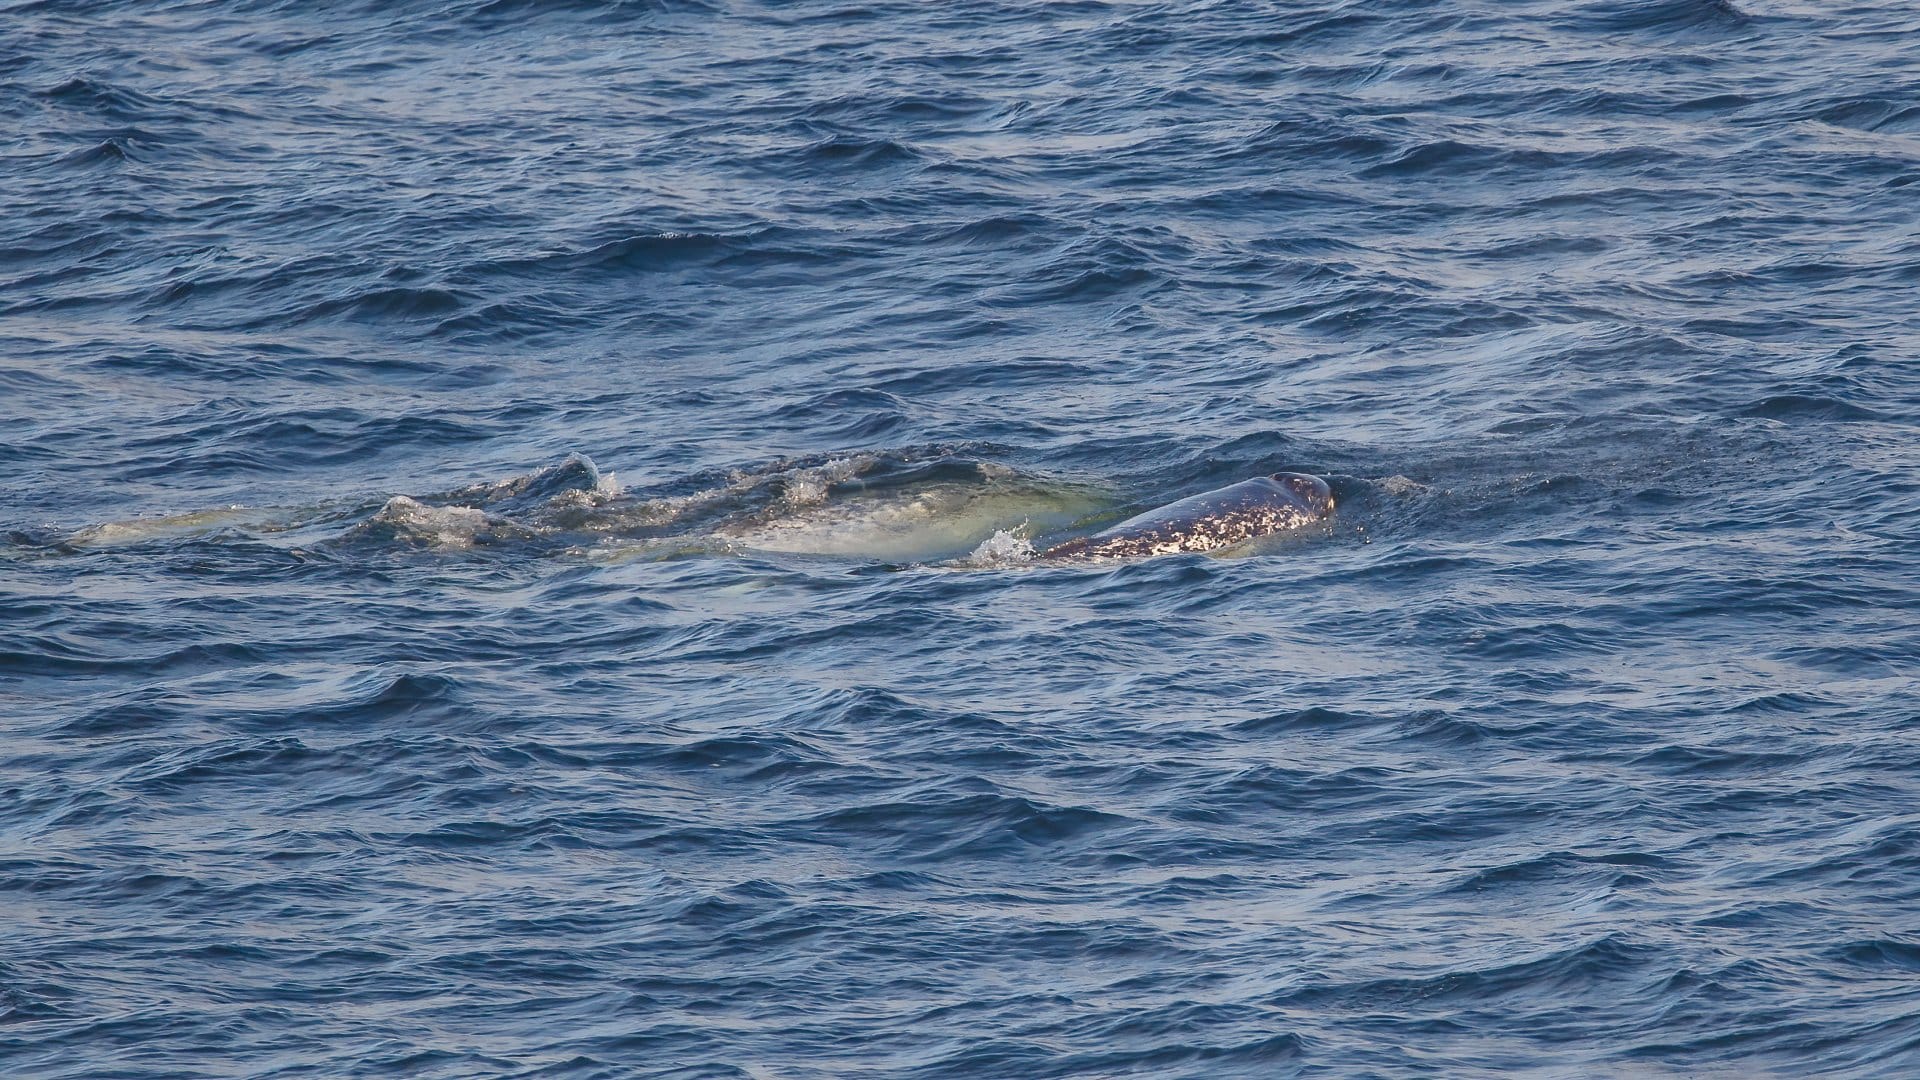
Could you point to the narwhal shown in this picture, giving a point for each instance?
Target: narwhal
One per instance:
(1211, 520)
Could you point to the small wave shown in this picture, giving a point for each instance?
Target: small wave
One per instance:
(649, 252)
(1863, 113)
(995, 233)
(1607, 959)
(576, 475)
(1559, 870)
(100, 96)
(957, 824)
(523, 319)
(490, 14)
(861, 415)
(388, 303)
(1625, 15)
(863, 108)
(1452, 157)
(111, 151)
(1809, 407)
(1092, 270)
(758, 758)
(1885, 954)
(1315, 138)
(849, 150)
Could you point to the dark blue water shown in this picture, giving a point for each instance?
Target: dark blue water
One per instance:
(516, 525)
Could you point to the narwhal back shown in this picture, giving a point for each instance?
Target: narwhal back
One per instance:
(1211, 520)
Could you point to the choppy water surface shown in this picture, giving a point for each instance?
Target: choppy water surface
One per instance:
(518, 520)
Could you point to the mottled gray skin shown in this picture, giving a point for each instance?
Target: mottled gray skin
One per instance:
(1211, 520)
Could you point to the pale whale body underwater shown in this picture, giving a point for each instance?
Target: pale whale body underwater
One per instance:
(894, 508)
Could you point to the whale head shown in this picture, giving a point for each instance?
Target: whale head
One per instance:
(1313, 492)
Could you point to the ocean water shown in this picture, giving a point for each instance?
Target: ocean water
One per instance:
(517, 526)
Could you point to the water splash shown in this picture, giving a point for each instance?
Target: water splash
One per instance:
(1004, 548)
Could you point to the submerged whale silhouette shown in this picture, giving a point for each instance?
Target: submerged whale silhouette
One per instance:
(1210, 520)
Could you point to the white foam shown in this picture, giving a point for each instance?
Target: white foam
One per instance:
(809, 487)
